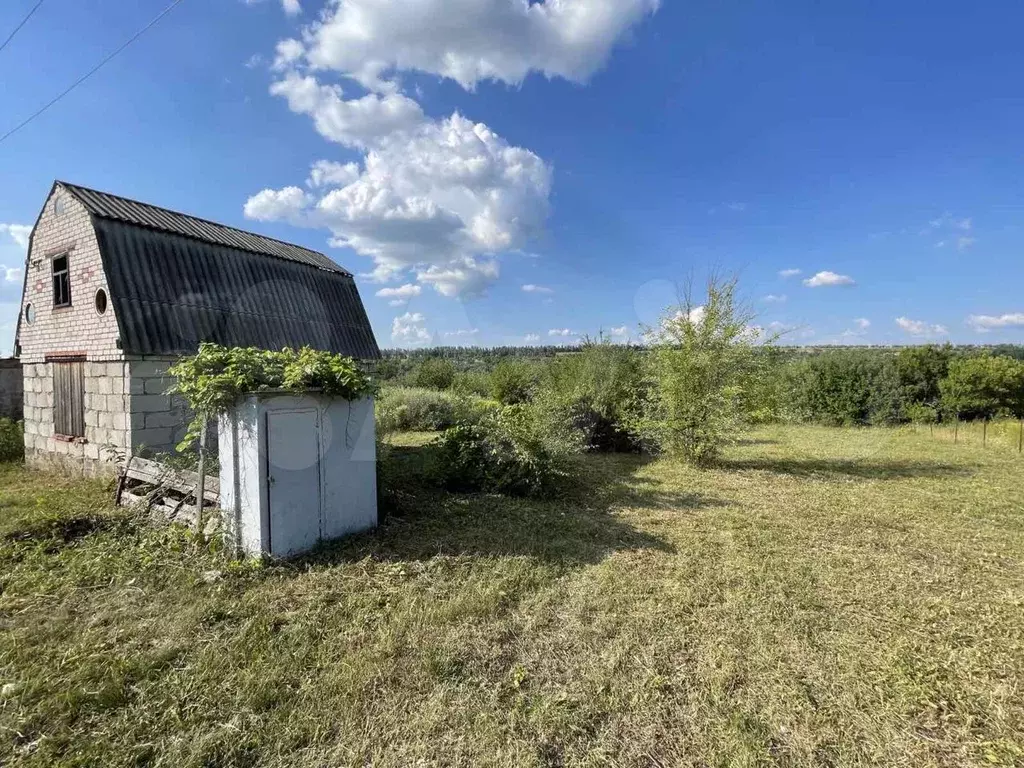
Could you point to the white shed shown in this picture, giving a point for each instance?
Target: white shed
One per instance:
(296, 470)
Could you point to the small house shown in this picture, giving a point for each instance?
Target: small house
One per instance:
(116, 290)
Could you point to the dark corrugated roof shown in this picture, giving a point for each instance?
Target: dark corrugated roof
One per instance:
(170, 292)
(144, 215)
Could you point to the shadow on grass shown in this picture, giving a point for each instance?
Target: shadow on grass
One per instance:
(577, 526)
(862, 469)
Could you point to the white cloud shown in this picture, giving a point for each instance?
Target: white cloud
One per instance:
(964, 224)
(986, 323)
(773, 298)
(11, 275)
(400, 295)
(410, 329)
(531, 338)
(327, 173)
(463, 332)
(531, 288)
(441, 198)
(19, 233)
(620, 331)
(862, 323)
(828, 278)
(254, 61)
(784, 273)
(963, 243)
(472, 41)
(285, 204)
(561, 332)
(467, 278)
(920, 327)
(291, 7)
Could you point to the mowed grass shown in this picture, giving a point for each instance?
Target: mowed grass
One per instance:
(823, 597)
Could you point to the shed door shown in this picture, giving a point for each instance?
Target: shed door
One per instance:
(293, 478)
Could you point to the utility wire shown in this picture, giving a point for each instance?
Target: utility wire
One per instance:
(18, 28)
(90, 73)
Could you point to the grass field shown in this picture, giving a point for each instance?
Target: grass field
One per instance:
(824, 597)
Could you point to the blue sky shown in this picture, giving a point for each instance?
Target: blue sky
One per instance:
(508, 173)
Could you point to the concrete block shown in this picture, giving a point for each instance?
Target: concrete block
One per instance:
(148, 368)
(150, 403)
(119, 420)
(91, 418)
(92, 451)
(136, 385)
(159, 439)
(105, 385)
(165, 419)
(157, 386)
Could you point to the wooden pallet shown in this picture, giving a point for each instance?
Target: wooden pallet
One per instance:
(165, 490)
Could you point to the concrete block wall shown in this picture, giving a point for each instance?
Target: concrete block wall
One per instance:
(11, 389)
(107, 432)
(158, 421)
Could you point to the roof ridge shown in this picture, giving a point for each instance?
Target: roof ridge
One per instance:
(73, 187)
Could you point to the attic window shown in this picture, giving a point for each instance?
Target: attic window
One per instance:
(61, 282)
(101, 301)
(59, 206)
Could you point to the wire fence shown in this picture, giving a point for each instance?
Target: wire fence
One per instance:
(997, 434)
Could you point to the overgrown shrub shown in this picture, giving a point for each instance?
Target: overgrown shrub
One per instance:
(12, 441)
(435, 373)
(984, 387)
(402, 409)
(472, 383)
(213, 379)
(586, 400)
(834, 388)
(702, 361)
(502, 454)
(512, 381)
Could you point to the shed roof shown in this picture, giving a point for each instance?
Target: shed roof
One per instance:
(176, 280)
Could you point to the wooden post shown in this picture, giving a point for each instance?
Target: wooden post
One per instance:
(984, 432)
(956, 428)
(1020, 437)
(201, 487)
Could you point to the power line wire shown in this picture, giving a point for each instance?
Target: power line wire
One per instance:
(90, 73)
(18, 28)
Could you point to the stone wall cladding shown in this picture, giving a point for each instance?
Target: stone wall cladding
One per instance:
(79, 327)
(107, 433)
(11, 390)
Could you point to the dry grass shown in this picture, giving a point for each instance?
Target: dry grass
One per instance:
(824, 597)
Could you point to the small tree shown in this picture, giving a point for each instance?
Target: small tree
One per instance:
(435, 373)
(984, 386)
(703, 359)
(512, 382)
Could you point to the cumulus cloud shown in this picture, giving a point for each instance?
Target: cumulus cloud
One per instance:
(619, 331)
(19, 233)
(11, 275)
(287, 204)
(986, 323)
(440, 198)
(326, 173)
(774, 298)
(826, 278)
(410, 329)
(531, 288)
(476, 40)
(963, 243)
(920, 327)
(401, 294)
(291, 7)
(784, 273)
(531, 338)
(463, 332)
(561, 332)
(862, 323)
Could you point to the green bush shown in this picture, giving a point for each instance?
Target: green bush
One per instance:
(585, 400)
(472, 383)
(512, 382)
(403, 409)
(501, 454)
(702, 362)
(12, 441)
(984, 387)
(435, 373)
